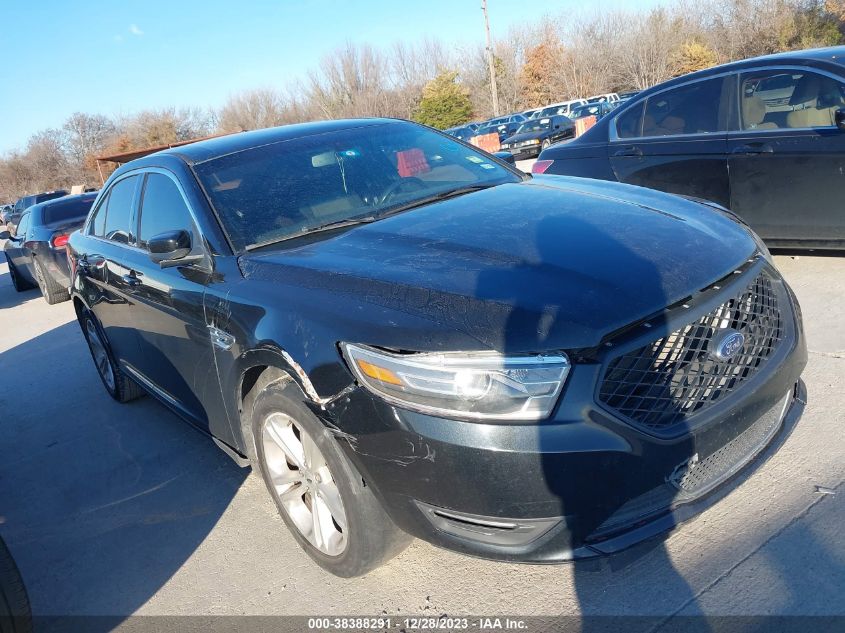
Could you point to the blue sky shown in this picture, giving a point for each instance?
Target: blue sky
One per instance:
(122, 56)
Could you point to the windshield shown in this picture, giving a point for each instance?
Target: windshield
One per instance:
(284, 189)
(537, 125)
(585, 110)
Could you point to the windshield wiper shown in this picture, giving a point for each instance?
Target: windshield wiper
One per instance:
(443, 195)
(328, 226)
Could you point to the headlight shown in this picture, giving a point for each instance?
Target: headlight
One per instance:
(484, 385)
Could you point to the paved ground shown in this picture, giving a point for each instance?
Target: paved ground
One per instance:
(115, 509)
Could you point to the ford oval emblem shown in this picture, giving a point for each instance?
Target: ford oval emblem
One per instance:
(726, 344)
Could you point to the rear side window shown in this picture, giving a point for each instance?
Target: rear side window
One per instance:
(23, 225)
(690, 109)
(629, 123)
(162, 209)
(777, 99)
(113, 218)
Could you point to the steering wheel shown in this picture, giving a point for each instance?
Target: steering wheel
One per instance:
(403, 184)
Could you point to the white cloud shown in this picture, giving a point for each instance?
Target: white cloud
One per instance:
(133, 28)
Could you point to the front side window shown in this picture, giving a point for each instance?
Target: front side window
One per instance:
(689, 109)
(162, 209)
(777, 99)
(288, 188)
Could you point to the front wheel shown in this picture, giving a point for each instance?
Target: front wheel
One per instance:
(18, 283)
(334, 517)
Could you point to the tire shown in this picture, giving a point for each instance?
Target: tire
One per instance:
(119, 386)
(361, 536)
(51, 290)
(18, 283)
(15, 613)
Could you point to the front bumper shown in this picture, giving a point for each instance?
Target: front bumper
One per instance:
(582, 484)
(524, 153)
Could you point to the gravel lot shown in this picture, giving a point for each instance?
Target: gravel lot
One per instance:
(121, 509)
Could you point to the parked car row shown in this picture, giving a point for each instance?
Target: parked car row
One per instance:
(520, 130)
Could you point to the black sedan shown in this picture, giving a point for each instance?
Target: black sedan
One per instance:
(537, 134)
(764, 137)
(36, 252)
(405, 336)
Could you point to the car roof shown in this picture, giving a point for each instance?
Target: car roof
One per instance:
(202, 151)
(834, 55)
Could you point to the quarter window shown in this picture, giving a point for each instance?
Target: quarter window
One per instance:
(163, 209)
(629, 123)
(689, 109)
(775, 99)
(112, 217)
(23, 224)
(119, 210)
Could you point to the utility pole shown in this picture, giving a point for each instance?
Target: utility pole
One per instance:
(493, 90)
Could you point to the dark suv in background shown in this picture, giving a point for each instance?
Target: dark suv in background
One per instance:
(763, 137)
(406, 336)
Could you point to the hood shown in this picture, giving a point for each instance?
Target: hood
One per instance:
(549, 263)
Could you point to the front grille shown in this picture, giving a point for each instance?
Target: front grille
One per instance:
(661, 384)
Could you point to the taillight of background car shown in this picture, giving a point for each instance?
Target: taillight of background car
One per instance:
(59, 241)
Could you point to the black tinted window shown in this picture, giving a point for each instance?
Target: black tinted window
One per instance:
(163, 209)
(66, 211)
(629, 124)
(98, 222)
(119, 211)
(775, 99)
(690, 109)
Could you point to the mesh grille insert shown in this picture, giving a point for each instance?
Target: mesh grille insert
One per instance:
(661, 384)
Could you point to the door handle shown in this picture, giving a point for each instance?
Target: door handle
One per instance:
(632, 151)
(752, 149)
(131, 279)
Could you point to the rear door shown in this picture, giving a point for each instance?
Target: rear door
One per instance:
(675, 141)
(787, 156)
(104, 269)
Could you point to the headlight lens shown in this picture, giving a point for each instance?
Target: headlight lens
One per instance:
(484, 385)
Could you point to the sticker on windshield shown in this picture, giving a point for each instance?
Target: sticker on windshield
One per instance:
(475, 159)
(487, 166)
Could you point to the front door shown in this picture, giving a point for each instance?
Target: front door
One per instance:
(675, 142)
(787, 157)
(177, 357)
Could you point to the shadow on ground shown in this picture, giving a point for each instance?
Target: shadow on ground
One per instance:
(101, 502)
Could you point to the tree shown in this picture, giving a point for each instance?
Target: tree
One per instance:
(537, 78)
(693, 56)
(252, 110)
(445, 103)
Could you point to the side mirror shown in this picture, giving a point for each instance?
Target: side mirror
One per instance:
(839, 116)
(506, 157)
(170, 248)
(5, 235)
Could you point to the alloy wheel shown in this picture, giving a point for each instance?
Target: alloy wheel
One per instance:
(303, 483)
(100, 354)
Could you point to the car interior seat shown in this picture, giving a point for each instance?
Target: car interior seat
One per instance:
(754, 113)
(808, 108)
